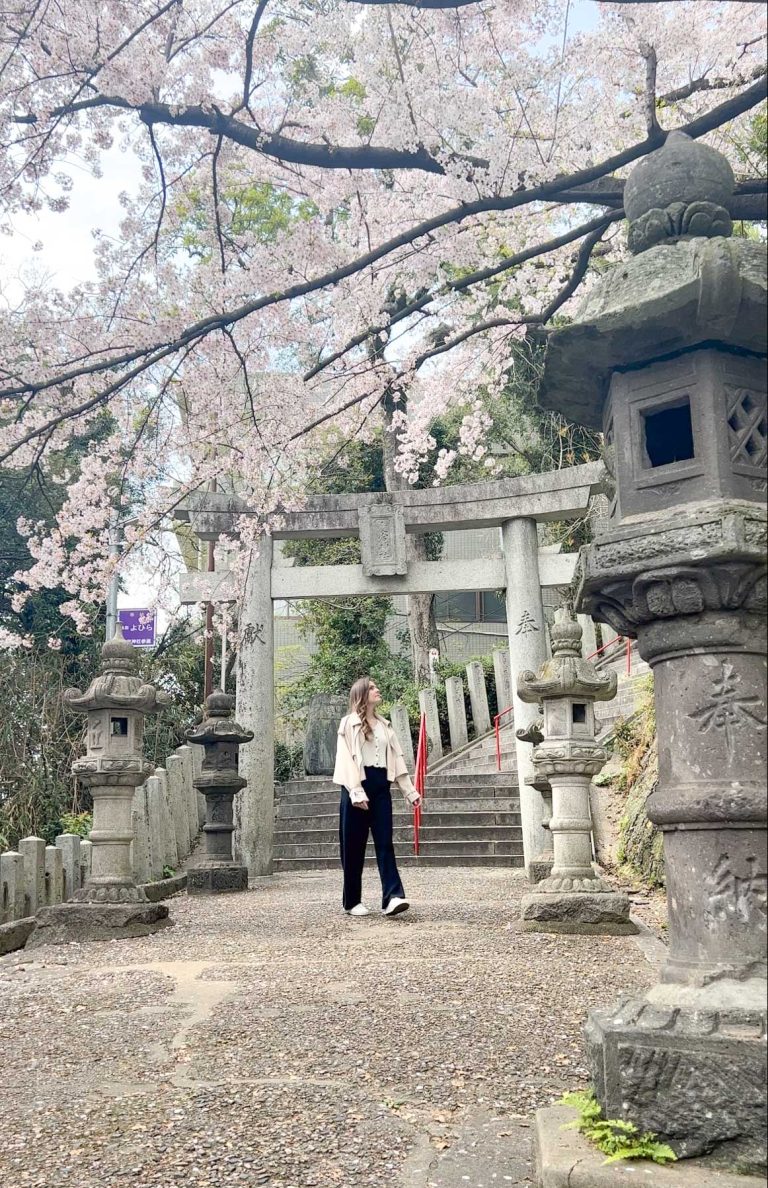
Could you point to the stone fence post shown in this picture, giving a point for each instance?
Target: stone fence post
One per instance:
(428, 706)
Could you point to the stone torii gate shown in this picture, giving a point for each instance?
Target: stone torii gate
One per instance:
(381, 520)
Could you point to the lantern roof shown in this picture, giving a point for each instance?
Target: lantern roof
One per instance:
(218, 724)
(566, 674)
(687, 284)
(117, 685)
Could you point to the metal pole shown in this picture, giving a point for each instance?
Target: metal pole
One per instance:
(208, 641)
(114, 551)
(223, 681)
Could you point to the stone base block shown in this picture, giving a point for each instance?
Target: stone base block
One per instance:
(578, 912)
(164, 888)
(16, 934)
(66, 922)
(540, 868)
(696, 1077)
(566, 1160)
(216, 880)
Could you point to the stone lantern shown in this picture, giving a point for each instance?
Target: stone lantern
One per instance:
(572, 898)
(216, 870)
(110, 904)
(668, 356)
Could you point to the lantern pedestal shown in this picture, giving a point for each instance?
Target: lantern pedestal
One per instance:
(571, 897)
(215, 870)
(110, 905)
(668, 354)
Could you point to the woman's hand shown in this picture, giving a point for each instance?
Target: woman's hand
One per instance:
(417, 802)
(363, 804)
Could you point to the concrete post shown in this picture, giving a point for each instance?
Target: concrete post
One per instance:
(140, 852)
(86, 860)
(54, 875)
(156, 830)
(398, 716)
(169, 831)
(32, 850)
(11, 886)
(197, 767)
(589, 635)
(457, 712)
(527, 652)
(428, 706)
(503, 678)
(178, 805)
(478, 697)
(190, 793)
(69, 844)
(255, 808)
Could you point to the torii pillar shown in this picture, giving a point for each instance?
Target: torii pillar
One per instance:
(255, 709)
(527, 632)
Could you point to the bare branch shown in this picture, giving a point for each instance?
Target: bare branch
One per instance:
(710, 84)
(259, 13)
(649, 99)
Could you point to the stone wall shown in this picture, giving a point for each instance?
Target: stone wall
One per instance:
(168, 814)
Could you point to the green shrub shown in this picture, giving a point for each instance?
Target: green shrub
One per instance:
(79, 823)
(289, 762)
(614, 1137)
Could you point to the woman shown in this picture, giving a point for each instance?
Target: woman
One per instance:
(368, 759)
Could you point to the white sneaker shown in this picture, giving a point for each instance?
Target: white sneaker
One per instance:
(358, 910)
(396, 906)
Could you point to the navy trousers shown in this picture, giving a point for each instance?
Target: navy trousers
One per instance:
(354, 824)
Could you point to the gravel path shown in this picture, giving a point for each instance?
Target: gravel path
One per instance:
(268, 1039)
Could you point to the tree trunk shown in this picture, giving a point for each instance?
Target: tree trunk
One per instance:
(420, 609)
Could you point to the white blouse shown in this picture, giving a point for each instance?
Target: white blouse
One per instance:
(374, 748)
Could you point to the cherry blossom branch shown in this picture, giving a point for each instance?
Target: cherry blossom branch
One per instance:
(567, 291)
(270, 144)
(152, 354)
(597, 226)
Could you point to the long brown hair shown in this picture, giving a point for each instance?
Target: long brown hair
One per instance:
(358, 702)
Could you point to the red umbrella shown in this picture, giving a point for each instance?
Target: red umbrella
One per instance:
(420, 779)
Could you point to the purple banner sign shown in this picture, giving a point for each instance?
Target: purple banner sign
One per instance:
(138, 626)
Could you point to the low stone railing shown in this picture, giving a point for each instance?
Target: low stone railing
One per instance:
(167, 817)
(168, 814)
(37, 875)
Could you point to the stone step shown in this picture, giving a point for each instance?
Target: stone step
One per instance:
(404, 833)
(489, 814)
(446, 778)
(510, 847)
(307, 865)
(479, 790)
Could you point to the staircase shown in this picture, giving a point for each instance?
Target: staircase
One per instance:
(470, 819)
(479, 756)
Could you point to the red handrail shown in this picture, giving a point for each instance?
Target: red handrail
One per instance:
(627, 649)
(420, 779)
(496, 719)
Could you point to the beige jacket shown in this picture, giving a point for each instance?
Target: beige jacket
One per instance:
(349, 770)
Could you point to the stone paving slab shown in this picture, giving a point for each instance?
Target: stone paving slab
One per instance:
(269, 1039)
